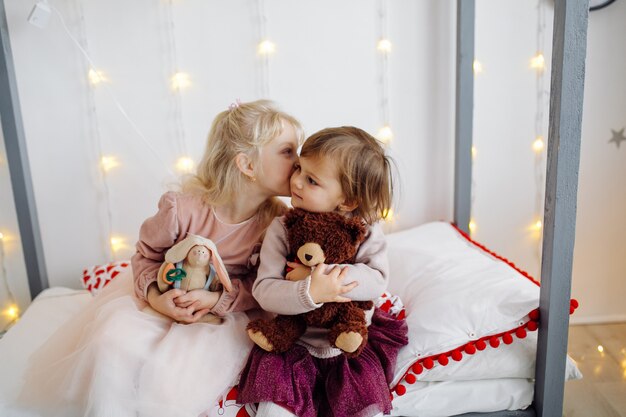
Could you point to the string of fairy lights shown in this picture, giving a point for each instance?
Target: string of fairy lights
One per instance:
(542, 97)
(106, 162)
(11, 312)
(180, 80)
(537, 141)
(265, 49)
(384, 48)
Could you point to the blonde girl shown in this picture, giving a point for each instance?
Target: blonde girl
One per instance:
(113, 359)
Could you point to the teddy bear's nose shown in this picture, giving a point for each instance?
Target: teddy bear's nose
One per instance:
(308, 257)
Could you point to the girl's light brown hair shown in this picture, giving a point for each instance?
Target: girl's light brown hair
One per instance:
(243, 128)
(363, 168)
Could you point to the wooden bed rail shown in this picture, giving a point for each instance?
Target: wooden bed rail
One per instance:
(19, 167)
(566, 103)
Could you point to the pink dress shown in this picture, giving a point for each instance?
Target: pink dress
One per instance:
(115, 360)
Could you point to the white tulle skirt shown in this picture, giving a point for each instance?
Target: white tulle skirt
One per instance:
(112, 359)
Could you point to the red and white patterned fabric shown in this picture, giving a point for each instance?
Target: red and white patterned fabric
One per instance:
(391, 304)
(97, 277)
(228, 407)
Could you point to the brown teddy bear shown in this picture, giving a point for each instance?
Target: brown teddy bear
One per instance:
(315, 238)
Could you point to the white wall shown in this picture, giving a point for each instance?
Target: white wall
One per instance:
(325, 71)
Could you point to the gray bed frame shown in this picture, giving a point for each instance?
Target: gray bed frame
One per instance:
(566, 103)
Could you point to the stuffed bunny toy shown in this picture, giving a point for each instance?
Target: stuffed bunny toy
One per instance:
(193, 263)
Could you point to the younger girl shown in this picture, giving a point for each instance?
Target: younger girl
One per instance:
(113, 359)
(343, 170)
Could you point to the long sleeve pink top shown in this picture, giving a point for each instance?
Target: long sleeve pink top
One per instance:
(179, 214)
(278, 295)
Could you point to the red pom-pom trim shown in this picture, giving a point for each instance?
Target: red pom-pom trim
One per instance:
(428, 363)
(507, 338)
(534, 315)
(481, 345)
(470, 348)
(410, 379)
(417, 368)
(442, 359)
(457, 355)
(532, 326)
(400, 390)
(520, 333)
(494, 342)
(574, 303)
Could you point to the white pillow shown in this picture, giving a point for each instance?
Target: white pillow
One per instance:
(450, 398)
(468, 310)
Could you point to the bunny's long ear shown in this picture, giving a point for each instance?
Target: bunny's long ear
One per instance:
(218, 264)
(179, 251)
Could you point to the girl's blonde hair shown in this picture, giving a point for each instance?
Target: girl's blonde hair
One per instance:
(243, 128)
(364, 169)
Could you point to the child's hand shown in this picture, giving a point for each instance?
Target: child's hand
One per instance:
(326, 288)
(299, 271)
(164, 304)
(199, 299)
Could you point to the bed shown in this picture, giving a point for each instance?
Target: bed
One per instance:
(429, 381)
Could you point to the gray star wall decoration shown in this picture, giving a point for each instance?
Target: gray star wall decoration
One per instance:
(618, 137)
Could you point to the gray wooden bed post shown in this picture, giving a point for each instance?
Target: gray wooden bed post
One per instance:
(566, 104)
(19, 167)
(464, 113)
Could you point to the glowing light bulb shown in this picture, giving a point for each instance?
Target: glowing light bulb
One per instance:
(474, 152)
(180, 80)
(538, 225)
(384, 45)
(1, 236)
(385, 134)
(388, 215)
(538, 62)
(117, 243)
(12, 312)
(108, 163)
(266, 47)
(538, 144)
(477, 66)
(96, 77)
(600, 348)
(472, 226)
(184, 164)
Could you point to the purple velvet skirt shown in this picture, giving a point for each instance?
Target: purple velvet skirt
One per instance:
(333, 387)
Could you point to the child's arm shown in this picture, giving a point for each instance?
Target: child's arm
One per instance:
(164, 303)
(277, 295)
(156, 235)
(371, 267)
(238, 299)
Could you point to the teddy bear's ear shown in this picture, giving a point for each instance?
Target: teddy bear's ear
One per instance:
(356, 229)
(293, 216)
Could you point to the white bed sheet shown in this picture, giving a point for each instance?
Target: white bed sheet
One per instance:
(42, 318)
(56, 305)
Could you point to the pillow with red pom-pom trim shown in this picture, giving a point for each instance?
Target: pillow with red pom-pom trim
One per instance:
(471, 314)
(97, 277)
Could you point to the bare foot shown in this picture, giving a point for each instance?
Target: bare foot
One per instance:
(260, 339)
(348, 341)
